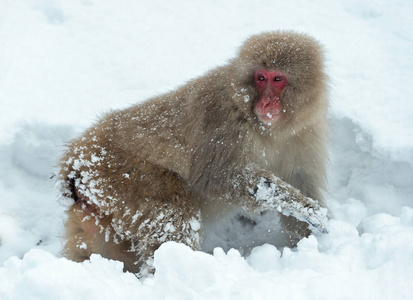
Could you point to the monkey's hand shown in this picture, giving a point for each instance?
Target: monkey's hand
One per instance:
(274, 193)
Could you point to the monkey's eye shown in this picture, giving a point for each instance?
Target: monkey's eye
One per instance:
(260, 78)
(277, 78)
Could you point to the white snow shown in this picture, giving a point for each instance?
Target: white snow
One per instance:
(63, 63)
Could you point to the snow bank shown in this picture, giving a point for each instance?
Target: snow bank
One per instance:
(64, 63)
(40, 275)
(340, 265)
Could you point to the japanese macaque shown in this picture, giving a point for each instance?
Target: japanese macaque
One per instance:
(246, 138)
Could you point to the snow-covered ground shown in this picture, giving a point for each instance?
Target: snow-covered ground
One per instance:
(62, 63)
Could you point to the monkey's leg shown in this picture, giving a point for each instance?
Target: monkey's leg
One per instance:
(164, 222)
(273, 193)
(78, 237)
(153, 207)
(87, 232)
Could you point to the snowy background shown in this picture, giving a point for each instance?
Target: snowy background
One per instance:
(63, 63)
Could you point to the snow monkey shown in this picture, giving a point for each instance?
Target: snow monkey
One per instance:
(247, 137)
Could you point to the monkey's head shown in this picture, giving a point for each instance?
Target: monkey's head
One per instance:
(280, 76)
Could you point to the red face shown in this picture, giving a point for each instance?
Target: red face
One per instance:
(270, 86)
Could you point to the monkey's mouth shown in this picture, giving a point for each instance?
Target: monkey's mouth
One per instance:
(269, 117)
(268, 110)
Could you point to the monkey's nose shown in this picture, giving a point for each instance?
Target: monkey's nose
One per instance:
(270, 100)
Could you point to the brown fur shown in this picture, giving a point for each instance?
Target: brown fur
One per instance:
(140, 176)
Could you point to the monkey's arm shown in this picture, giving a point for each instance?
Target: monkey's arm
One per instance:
(273, 193)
